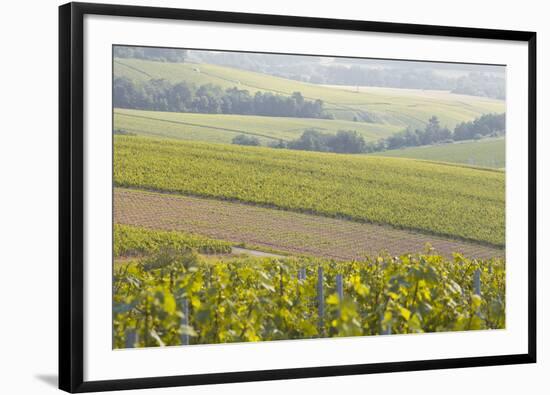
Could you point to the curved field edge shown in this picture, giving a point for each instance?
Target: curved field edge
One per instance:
(222, 128)
(488, 153)
(134, 241)
(408, 107)
(280, 231)
(451, 201)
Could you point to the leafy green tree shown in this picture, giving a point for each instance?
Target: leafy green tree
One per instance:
(311, 140)
(242, 139)
(162, 95)
(347, 141)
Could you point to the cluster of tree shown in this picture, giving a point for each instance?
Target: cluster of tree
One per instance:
(481, 84)
(431, 134)
(349, 141)
(474, 83)
(162, 95)
(243, 139)
(344, 141)
(488, 125)
(157, 54)
(123, 132)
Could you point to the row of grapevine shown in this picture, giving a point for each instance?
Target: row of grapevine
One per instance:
(442, 199)
(174, 298)
(134, 240)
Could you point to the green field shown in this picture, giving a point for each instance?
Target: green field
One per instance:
(442, 199)
(222, 128)
(133, 240)
(382, 105)
(486, 153)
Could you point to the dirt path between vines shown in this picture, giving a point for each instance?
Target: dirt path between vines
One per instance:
(278, 230)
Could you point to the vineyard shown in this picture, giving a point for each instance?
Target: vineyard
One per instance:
(223, 235)
(178, 297)
(137, 241)
(278, 231)
(442, 199)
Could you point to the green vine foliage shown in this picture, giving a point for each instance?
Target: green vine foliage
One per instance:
(259, 299)
(135, 240)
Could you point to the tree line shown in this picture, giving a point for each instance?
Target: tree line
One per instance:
(344, 141)
(488, 125)
(481, 84)
(157, 54)
(349, 141)
(162, 95)
(473, 83)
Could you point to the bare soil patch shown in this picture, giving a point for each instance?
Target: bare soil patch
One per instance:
(295, 233)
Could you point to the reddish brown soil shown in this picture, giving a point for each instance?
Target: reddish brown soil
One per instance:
(279, 230)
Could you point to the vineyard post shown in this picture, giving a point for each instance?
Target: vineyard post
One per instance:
(383, 331)
(131, 338)
(477, 282)
(281, 286)
(185, 322)
(301, 277)
(386, 331)
(320, 298)
(339, 287)
(339, 290)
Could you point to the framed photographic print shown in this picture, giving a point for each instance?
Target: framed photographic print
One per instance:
(253, 197)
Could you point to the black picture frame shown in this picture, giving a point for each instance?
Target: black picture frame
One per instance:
(71, 198)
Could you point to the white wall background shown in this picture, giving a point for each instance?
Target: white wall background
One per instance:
(28, 197)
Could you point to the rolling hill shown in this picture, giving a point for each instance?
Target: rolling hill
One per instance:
(222, 128)
(443, 199)
(486, 153)
(376, 105)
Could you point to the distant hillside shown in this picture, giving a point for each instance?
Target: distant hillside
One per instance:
(485, 153)
(222, 128)
(374, 105)
(478, 80)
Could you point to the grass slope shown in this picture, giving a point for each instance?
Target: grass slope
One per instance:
(486, 153)
(383, 105)
(222, 128)
(442, 199)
